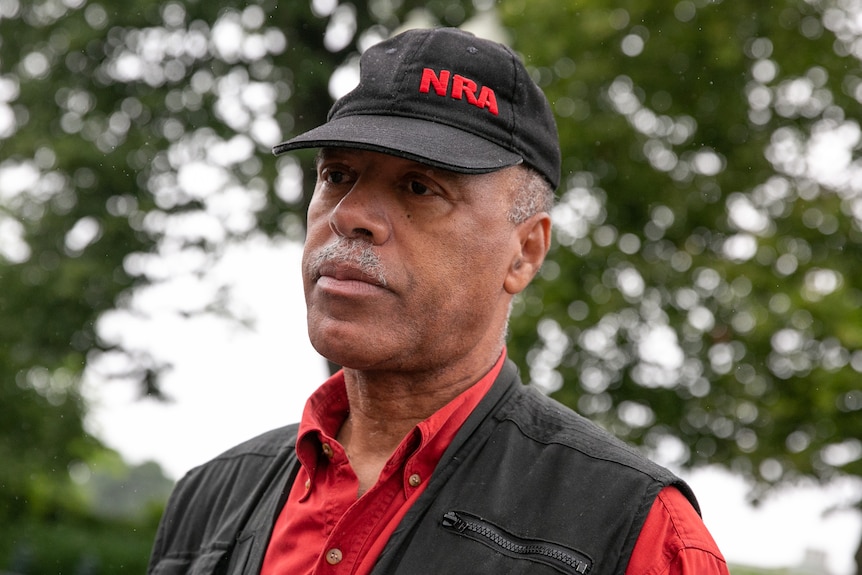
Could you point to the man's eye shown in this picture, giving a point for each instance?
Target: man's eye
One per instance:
(335, 177)
(419, 189)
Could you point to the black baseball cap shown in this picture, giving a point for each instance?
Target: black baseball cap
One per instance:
(445, 98)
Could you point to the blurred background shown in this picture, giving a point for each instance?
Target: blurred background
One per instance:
(703, 297)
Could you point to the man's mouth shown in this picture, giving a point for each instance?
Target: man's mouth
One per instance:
(347, 273)
(348, 260)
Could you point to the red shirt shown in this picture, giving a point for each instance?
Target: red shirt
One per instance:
(674, 541)
(325, 528)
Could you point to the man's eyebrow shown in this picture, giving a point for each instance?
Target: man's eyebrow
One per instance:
(328, 153)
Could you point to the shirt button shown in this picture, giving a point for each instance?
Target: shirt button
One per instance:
(327, 450)
(334, 556)
(307, 484)
(414, 480)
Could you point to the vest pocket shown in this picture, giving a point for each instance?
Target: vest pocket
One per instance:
(554, 555)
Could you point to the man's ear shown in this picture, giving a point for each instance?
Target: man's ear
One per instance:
(534, 239)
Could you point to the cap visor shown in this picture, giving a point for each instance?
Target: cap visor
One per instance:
(424, 141)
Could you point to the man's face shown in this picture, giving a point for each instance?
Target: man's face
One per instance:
(404, 265)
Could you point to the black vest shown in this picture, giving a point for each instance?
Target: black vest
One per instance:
(526, 487)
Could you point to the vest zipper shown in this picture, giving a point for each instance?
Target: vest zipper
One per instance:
(495, 537)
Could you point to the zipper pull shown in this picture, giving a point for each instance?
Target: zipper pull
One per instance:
(453, 521)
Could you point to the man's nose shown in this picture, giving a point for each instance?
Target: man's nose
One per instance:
(361, 214)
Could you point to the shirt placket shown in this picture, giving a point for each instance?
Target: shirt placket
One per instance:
(352, 533)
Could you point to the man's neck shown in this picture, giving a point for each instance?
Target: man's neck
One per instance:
(384, 408)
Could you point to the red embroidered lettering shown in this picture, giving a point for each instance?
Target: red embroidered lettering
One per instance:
(429, 78)
(487, 99)
(462, 86)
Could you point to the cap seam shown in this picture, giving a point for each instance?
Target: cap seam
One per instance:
(407, 58)
(513, 129)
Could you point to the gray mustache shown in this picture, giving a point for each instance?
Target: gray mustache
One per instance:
(355, 253)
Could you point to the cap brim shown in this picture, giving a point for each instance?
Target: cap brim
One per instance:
(424, 141)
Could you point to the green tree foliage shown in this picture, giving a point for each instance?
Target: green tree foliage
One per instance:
(110, 530)
(703, 292)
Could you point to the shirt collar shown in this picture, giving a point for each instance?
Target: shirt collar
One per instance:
(419, 451)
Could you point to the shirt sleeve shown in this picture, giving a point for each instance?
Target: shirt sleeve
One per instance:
(675, 541)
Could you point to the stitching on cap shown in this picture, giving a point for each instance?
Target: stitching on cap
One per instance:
(407, 60)
(513, 103)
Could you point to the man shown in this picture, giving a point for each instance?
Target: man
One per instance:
(426, 454)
